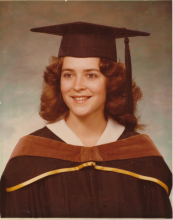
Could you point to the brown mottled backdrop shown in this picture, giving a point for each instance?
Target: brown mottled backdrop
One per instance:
(24, 55)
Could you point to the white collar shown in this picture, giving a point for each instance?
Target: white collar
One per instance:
(111, 133)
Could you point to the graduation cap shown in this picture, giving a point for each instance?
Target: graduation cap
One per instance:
(81, 39)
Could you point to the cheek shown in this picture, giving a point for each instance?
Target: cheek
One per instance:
(99, 88)
(65, 86)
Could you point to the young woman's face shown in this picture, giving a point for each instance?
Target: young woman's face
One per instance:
(83, 86)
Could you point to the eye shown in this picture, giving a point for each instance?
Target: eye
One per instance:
(91, 75)
(67, 75)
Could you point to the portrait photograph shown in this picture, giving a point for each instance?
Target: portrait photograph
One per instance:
(86, 109)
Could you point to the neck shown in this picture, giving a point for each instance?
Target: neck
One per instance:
(87, 128)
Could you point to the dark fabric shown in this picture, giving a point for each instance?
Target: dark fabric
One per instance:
(129, 94)
(82, 39)
(83, 52)
(87, 192)
(46, 133)
(88, 28)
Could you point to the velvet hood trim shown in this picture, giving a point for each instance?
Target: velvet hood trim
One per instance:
(134, 147)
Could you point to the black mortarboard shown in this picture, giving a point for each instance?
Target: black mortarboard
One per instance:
(81, 39)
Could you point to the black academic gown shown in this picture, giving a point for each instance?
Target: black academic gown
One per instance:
(87, 192)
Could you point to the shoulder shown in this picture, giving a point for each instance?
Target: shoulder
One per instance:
(46, 133)
(127, 134)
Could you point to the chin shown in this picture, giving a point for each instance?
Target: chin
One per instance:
(85, 113)
(81, 114)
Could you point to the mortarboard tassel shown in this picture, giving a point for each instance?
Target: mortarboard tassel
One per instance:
(129, 96)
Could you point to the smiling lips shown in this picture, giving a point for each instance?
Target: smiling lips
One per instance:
(80, 99)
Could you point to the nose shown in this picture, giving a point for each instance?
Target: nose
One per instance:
(79, 84)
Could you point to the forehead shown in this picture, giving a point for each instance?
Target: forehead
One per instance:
(81, 63)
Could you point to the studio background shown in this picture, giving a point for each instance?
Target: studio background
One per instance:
(24, 55)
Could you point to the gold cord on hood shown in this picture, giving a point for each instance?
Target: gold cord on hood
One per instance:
(116, 170)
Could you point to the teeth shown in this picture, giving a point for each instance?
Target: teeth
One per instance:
(80, 98)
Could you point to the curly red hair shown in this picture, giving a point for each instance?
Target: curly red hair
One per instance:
(52, 106)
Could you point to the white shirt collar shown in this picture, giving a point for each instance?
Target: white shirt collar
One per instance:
(111, 133)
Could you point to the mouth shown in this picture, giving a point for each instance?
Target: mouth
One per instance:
(80, 99)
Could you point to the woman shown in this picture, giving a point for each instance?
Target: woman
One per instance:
(88, 161)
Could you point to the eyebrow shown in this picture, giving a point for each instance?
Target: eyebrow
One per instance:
(86, 70)
(67, 70)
